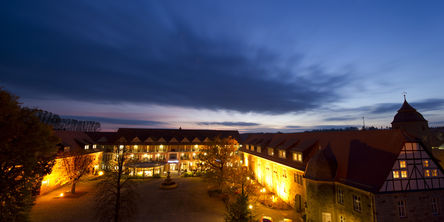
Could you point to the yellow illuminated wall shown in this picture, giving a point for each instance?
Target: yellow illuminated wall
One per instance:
(58, 175)
(284, 181)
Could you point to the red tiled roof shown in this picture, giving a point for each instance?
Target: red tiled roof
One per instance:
(364, 158)
(75, 140)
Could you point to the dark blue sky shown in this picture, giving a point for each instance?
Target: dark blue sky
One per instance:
(249, 65)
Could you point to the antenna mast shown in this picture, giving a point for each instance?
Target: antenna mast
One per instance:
(363, 123)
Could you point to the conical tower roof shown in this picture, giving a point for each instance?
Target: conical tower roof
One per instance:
(408, 114)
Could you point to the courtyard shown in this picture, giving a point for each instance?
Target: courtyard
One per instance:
(188, 202)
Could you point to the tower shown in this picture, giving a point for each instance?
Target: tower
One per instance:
(410, 120)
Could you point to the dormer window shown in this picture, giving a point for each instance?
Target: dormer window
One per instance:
(425, 163)
(297, 156)
(86, 147)
(94, 146)
(258, 149)
(282, 154)
(271, 151)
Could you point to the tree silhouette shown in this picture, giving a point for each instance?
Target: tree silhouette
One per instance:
(27, 150)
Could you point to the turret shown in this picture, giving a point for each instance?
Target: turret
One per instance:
(410, 120)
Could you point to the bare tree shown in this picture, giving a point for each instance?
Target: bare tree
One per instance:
(76, 165)
(241, 180)
(217, 158)
(116, 198)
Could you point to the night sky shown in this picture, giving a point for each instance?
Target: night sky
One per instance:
(246, 65)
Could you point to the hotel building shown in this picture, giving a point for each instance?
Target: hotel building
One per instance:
(153, 152)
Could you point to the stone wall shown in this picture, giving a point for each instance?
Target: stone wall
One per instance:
(418, 206)
(322, 201)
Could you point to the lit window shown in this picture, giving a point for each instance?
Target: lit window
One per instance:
(258, 149)
(357, 203)
(340, 196)
(86, 147)
(297, 157)
(247, 147)
(282, 154)
(402, 164)
(435, 205)
(404, 173)
(434, 173)
(270, 151)
(401, 208)
(395, 174)
(94, 146)
(121, 147)
(425, 163)
(427, 173)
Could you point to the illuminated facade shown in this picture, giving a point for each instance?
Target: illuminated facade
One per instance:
(152, 152)
(368, 175)
(70, 141)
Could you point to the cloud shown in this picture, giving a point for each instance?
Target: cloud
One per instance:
(119, 53)
(229, 123)
(422, 106)
(116, 120)
(340, 118)
(293, 127)
(331, 126)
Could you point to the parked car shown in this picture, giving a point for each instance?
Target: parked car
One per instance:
(266, 219)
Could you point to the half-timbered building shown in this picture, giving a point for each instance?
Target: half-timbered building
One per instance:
(367, 175)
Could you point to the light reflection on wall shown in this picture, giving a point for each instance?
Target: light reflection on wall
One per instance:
(58, 175)
(277, 178)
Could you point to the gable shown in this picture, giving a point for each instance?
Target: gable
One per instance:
(196, 140)
(149, 140)
(121, 140)
(414, 169)
(185, 140)
(102, 139)
(173, 140)
(136, 140)
(162, 140)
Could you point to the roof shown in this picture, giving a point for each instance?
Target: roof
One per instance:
(74, 139)
(364, 158)
(408, 114)
(322, 166)
(171, 136)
